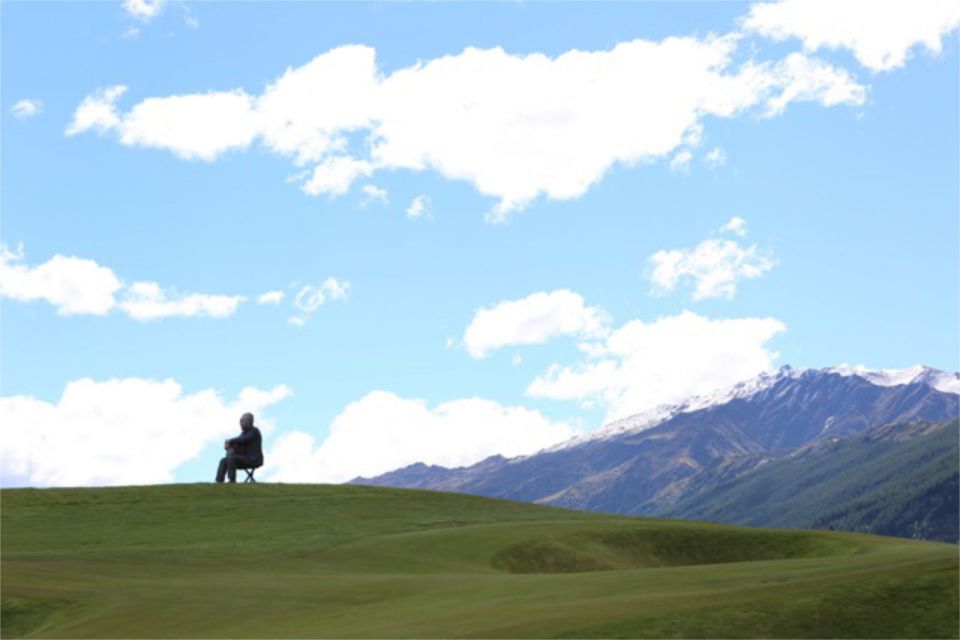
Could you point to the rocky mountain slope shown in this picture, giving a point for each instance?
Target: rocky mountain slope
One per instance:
(648, 463)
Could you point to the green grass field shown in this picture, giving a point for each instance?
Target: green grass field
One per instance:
(350, 561)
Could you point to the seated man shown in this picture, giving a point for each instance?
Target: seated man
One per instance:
(243, 452)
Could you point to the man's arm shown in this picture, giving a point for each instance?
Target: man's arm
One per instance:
(243, 438)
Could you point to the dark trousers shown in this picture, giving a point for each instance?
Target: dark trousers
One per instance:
(229, 465)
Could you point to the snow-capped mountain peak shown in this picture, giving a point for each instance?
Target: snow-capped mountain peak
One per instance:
(944, 381)
(663, 412)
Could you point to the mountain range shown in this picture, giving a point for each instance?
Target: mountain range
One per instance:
(843, 447)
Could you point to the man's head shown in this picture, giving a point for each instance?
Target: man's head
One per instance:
(246, 421)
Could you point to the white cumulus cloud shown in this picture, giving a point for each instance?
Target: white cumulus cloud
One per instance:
(516, 127)
(382, 431)
(644, 364)
(804, 79)
(193, 127)
(79, 286)
(307, 112)
(335, 174)
(98, 111)
(881, 35)
(119, 431)
(715, 267)
(144, 10)
(75, 286)
(535, 319)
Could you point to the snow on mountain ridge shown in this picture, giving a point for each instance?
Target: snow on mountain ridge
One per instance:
(943, 381)
(660, 413)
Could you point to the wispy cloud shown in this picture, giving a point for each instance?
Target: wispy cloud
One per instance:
(373, 193)
(26, 109)
(310, 298)
(149, 301)
(420, 207)
(680, 163)
(736, 225)
(144, 12)
(271, 297)
(715, 158)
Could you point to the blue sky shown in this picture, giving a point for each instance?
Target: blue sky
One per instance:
(585, 251)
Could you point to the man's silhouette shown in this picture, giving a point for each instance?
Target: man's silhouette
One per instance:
(243, 452)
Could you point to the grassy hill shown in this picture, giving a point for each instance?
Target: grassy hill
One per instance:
(897, 480)
(354, 561)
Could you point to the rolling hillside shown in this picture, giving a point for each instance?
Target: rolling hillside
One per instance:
(352, 561)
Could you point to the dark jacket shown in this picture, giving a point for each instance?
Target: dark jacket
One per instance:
(247, 444)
